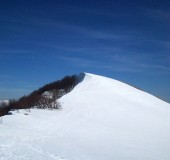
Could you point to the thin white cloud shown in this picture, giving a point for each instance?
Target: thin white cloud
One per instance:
(6, 76)
(166, 44)
(138, 62)
(99, 65)
(158, 14)
(156, 66)
(91, 33)
(17, 51)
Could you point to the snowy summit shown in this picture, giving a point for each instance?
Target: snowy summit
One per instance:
(100, 119)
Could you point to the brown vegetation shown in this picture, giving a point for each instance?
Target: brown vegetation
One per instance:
(39, 100)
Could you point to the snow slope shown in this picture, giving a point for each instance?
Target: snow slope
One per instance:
(100, 119)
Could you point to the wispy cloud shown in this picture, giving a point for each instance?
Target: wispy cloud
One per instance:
(18, 51)
(6, 76)
(166, 44)
(91, 33)
(100, 65)
(155, 66)
(78, 29)
(139, 63)
(158, 14)
(55, 46)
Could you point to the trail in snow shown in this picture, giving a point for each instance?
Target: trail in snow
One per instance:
(22, 141)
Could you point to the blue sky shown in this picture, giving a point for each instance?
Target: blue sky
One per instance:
(42, 41)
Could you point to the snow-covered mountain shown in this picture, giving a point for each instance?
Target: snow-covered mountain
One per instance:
(100, 119)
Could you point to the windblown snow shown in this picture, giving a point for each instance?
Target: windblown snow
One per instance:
(100, 119)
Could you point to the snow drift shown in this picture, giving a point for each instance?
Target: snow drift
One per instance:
(100, 119)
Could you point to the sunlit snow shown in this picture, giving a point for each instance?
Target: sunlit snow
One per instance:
(100, 119)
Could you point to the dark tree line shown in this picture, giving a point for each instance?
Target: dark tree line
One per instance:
(38, 99)
(4, 108)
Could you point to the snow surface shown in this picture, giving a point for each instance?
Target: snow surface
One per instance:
(100, 119)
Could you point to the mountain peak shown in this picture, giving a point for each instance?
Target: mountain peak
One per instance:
(101, 119)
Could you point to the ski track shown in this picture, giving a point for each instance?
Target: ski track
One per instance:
(10, 151)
